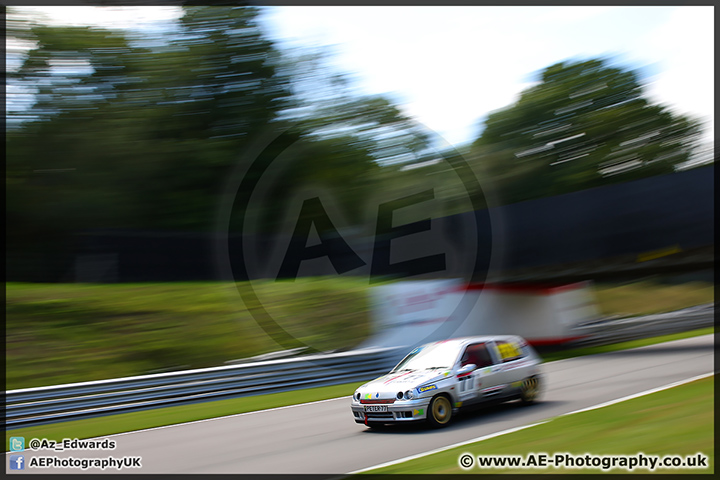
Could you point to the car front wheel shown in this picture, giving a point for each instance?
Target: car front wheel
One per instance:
(439, 411)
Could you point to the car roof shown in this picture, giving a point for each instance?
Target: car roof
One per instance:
(461, 341)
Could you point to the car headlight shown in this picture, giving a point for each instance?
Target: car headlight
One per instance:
(356, 396)
(409, 395)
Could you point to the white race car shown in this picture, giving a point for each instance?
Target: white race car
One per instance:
(435, 380)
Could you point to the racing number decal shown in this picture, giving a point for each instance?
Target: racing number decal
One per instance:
(466, 384)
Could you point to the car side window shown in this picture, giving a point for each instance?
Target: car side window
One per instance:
(509, 351)
(478, 354)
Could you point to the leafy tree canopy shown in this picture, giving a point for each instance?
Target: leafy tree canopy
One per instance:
(584, 124)
(141, 132)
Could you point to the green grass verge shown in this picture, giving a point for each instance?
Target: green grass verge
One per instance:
(677, 421)
(127, 422)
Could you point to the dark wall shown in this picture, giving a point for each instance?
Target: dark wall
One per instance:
(629, 218)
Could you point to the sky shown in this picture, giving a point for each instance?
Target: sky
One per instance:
(449, 67)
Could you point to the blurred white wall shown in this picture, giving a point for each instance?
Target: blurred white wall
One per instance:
(411, 313)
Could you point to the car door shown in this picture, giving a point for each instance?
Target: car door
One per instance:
(473, 385)
(510, 358)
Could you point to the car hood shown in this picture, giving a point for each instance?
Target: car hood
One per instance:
(388, 385)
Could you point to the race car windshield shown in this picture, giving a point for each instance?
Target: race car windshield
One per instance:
(437, 355)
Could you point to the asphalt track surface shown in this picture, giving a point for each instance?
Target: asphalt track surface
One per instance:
(323, 438)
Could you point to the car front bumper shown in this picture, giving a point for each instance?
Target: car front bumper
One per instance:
(404, 411)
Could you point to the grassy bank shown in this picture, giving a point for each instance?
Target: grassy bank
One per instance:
(648, 297)
(677, 421)
(61, 333)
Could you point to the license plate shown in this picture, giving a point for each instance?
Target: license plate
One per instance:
(376, 408)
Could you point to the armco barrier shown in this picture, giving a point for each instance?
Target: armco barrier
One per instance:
(612, 330)
(44, 405)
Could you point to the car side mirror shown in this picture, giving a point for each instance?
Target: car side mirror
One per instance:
(470, 367)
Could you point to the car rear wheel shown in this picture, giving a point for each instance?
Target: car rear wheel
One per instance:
(529, 390)
(439, 411)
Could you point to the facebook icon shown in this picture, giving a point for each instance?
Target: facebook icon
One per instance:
(17, 462)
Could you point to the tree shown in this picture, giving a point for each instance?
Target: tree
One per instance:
(325, 105)
(126, 134)
(129, 133)
(584, 124)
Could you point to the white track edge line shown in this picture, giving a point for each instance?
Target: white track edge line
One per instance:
(640, 394)
(442, 449)
(228, 416)
(516, 429)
